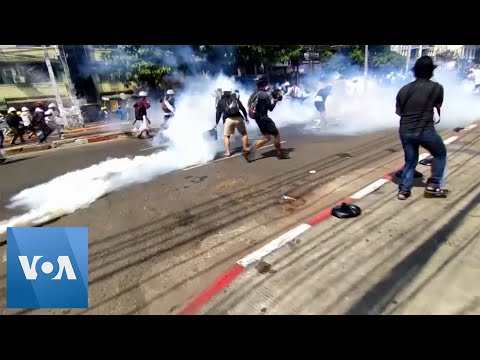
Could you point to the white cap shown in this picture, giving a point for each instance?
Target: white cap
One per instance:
(38, 110)
(51, 106)
(49, 112)
(12, 109)
(24, 108)
(142, 94)
(170, 92)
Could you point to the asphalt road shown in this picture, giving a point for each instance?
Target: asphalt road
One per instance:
(153, 246)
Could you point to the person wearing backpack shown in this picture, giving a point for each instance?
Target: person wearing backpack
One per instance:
(415, 105)
(259, 104)
(168, 107)
(234, 117)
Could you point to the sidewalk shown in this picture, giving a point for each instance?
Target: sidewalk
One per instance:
(74, 137)
(419, 256)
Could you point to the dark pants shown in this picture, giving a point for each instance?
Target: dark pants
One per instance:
(17, 133)
(46, 130)
(434, 144)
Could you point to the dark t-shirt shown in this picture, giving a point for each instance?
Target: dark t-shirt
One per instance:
(324, 93)
(416, 102)
(264, 104)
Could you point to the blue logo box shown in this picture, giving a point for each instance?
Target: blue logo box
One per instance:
(47, 267)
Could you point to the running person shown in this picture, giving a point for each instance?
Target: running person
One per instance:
(320, 100)
(260, 103)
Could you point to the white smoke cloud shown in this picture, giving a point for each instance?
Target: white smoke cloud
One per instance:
(358, 110)
(195, 114)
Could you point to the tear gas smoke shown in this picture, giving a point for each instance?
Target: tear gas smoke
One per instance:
(359, 109)
(78, 189)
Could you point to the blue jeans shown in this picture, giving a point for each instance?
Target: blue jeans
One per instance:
(434, 144)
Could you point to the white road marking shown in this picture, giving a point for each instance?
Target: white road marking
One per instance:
(369, 189)
(226, 158)
(274, 245)
(450, 140)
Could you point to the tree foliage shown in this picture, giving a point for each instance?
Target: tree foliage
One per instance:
(388, 60)
(140, 64)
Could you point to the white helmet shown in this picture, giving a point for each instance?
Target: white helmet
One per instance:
(37, 110)
(170, 92)
(12, 110)
(286, 83)
(142, 94)
(52, 106)
(49, 112)
(24, 108)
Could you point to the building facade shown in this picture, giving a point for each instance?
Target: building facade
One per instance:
(24, 77)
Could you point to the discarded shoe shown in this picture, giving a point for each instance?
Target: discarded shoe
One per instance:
(346, 211)
(427, 161)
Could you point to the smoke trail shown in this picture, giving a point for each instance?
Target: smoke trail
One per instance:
(80, 188)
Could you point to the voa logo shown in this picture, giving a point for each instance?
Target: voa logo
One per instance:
(64, 267)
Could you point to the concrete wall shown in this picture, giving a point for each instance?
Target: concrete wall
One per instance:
(30, 91)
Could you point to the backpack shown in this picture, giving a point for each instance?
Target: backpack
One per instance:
(252, 105)
(139, 112)
(231, 106)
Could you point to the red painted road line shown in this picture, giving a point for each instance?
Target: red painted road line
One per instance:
(223, 281)
(318, 218)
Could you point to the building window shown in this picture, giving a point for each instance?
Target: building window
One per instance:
(8, 76)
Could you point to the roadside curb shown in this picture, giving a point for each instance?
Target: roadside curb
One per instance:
(26, 149)
(195, 305)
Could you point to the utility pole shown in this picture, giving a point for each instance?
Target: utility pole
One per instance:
(66, 70)
(54, 83)
(409, 54)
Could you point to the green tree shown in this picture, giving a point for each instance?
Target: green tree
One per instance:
(139, 64)
(388, 61)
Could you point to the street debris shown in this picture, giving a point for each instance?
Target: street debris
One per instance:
(287, 198)
(346, 211)
(312, 171)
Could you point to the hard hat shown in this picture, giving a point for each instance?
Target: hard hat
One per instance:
(12, 110)
(142, 94)
(49, 112)
(24, 108)
(38, 109)
(286, 83)
(52, 106)
(170, 92)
